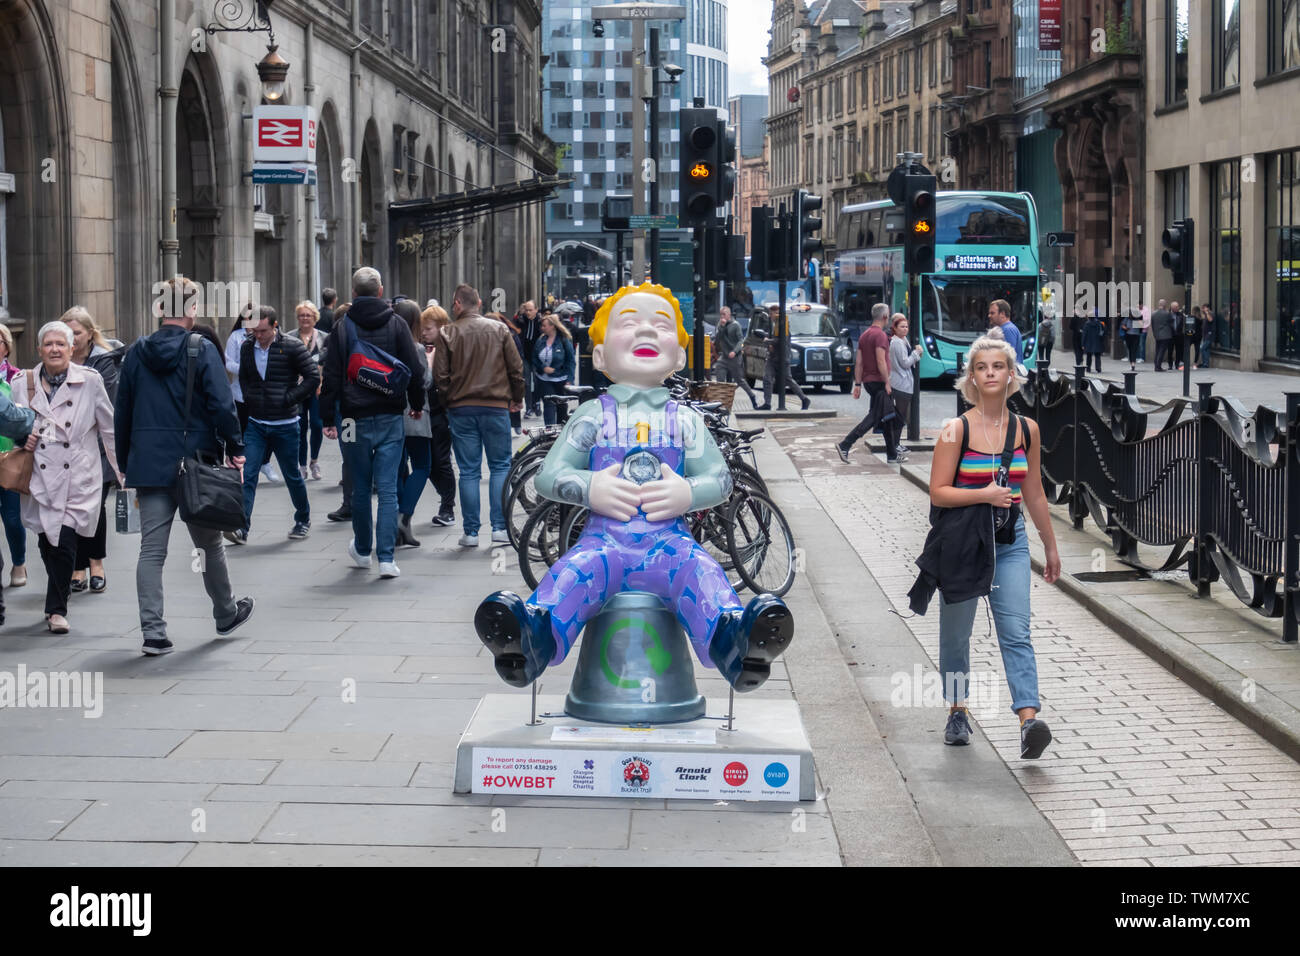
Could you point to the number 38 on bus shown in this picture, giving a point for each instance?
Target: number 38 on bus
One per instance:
(986, 248)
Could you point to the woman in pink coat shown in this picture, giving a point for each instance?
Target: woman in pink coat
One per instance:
(73, 413)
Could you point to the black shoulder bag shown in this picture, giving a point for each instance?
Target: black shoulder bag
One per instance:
(209, 495)
(1004, 519)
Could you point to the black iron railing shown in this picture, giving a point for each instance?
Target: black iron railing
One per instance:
(1213, 487)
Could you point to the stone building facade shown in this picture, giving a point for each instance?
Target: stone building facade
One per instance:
(1221, 146)
(877, 91)
(442, 97)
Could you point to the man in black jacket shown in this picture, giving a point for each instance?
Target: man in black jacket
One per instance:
(325, 324)
(277, 375)
(373, 433)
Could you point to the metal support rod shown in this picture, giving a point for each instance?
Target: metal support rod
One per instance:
(1130, 383)
(354, 138)
(309, 195)
(1076, 493)
(731, 708)
(1186, 333)
(532, 715)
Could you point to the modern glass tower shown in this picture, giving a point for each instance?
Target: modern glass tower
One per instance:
(587, 109)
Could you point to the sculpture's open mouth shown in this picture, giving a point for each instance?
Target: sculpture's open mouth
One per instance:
(645, 351)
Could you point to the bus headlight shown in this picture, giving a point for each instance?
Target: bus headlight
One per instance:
(931, 347)
(844, 353)
(1027, 346)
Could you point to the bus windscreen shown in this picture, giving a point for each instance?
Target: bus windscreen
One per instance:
(956, 309)
(973, 220)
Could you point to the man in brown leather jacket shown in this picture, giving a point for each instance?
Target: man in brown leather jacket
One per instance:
(480, 380)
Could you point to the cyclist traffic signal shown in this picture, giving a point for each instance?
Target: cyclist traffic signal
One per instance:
(919, 223)
(708, 181)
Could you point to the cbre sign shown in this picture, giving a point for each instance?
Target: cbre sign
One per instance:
(1049, 25)
(284, 134)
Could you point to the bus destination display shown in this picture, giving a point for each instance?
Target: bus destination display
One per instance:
(977, 263)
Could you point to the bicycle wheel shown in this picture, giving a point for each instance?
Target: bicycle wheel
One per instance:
(709, 528)
(522, 502)
(746, 475)
(574, 524)
(539, 542)
(760, 542)
(521, 463)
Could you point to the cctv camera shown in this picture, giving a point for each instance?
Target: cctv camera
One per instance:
(674, 71)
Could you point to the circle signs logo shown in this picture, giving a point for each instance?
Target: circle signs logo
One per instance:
(776, 775)
(735, 773)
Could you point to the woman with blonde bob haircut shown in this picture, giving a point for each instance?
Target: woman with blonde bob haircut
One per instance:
(963, 473)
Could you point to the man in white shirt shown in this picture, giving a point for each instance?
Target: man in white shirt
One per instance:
(233, 346)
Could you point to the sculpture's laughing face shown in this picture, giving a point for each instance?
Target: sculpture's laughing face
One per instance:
(640, 346)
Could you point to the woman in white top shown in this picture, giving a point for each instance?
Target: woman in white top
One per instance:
(901, 361)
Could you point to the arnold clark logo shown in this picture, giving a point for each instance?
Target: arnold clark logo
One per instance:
(776, 775)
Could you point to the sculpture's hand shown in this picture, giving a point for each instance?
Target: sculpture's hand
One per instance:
(667, 498)
(612, 496)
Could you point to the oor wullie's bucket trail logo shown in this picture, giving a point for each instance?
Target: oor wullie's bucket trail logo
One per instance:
(636, 773)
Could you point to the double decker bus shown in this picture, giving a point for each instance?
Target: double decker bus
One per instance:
(986, 248)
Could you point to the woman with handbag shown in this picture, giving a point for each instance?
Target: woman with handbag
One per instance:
(965, 472)
(104, 355)
(11, 501)
(73, 415)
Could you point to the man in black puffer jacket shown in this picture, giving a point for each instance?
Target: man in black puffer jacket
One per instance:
(373, 434)
(277, 375)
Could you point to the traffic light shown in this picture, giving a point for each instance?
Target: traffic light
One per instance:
(806, 245)
(724, 256)
(615, 213)
(919, 223)
(700, 170)
(1179, 256)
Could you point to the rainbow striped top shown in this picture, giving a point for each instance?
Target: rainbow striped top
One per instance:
(977, 469)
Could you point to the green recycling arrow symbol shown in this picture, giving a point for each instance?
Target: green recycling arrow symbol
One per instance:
(658, 655)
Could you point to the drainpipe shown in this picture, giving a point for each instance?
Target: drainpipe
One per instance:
(309, 197)
(354, 111)
(168, 93)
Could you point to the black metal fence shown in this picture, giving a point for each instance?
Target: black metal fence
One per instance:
(1212, 487)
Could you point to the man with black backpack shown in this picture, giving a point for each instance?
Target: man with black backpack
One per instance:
(153, 434)
(368, 378)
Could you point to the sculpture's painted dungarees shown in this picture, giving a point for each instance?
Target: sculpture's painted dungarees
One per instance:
(659, 557)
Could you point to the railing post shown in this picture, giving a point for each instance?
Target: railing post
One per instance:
(1291, 521)
(1040, 382)
(1203, 502)
(1130, 383)
(1076, 493)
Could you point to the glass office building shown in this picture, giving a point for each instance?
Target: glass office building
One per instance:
(588, 102)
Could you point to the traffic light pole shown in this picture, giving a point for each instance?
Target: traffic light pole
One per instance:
(1187, 339)
(914, 413)
(782, 349)
(698, 338)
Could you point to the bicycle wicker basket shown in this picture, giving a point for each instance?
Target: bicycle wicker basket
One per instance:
(723, 393)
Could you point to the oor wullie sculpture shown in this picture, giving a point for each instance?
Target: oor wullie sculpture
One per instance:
(639, 462)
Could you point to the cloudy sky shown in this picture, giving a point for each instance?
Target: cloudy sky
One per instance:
(748, 22)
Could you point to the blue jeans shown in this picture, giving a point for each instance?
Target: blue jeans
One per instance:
(1142, 346)
(1009, 600)
(420, 452)
(472, 436)
(281, 441)
(310, 422)
(15, 533)
(1205, 350)
(373, 456)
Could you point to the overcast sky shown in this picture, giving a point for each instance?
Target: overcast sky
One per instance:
(748, 22)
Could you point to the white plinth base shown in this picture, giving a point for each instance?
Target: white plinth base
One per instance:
(766, 757)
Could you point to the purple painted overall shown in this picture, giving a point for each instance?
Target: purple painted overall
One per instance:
(659, 557)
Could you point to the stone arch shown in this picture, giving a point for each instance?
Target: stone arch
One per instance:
(371, 212)
(331, 200)
(202, 171)
(133, 226)
(35, 150)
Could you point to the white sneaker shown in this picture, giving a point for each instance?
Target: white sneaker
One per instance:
(306, 475)
(388, 569)
(501, 537)
(357, 560)
(269, 473)
(468, 541)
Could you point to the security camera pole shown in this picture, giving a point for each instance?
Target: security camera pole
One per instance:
(645, 86)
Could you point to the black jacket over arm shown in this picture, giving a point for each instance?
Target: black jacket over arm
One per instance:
(957, 558)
